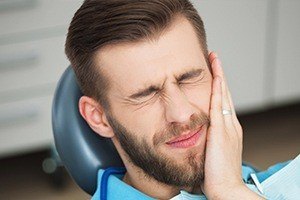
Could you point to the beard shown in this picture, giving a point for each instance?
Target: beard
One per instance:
(157, 165)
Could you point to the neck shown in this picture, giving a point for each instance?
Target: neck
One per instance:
(136, 178)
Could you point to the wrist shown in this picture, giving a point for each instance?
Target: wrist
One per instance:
(236, 192)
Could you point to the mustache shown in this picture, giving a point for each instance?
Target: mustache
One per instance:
(167, 133)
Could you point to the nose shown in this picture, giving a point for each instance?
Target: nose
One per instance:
(178, 108)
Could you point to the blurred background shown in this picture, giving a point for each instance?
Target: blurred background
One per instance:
(259, 45)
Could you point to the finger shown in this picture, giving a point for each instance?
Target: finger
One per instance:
(235, 119)
(217, 70)
(216, 116)
(229, 104)
(212, 55)
(228, 93)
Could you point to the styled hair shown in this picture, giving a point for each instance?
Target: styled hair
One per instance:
(98, 23)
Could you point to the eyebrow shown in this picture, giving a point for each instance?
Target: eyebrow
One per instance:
(153, 88)
(190, 74)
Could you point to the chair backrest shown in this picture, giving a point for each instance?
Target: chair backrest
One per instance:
(82, 151)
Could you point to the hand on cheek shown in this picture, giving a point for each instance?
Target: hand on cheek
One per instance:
(223, 159)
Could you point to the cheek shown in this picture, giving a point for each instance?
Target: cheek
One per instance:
(142, 123)
(199, 96)
(150, 121)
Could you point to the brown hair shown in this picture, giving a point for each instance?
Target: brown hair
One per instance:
(98, 23)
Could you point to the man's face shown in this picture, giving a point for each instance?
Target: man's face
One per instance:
(162, 131)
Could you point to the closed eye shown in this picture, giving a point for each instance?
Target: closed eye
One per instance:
(145, 100)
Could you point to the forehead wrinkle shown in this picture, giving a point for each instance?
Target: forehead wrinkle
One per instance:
(149, 84)
(152, 83)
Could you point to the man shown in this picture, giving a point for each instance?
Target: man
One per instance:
(152, 87)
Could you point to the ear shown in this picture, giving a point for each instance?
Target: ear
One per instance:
(94, 115)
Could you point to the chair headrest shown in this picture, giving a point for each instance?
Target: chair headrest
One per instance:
(82, 151)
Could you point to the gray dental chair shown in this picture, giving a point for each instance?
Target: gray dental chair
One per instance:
(81, 150)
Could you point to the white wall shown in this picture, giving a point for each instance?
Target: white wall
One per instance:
(287, 55)
(259, 47)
